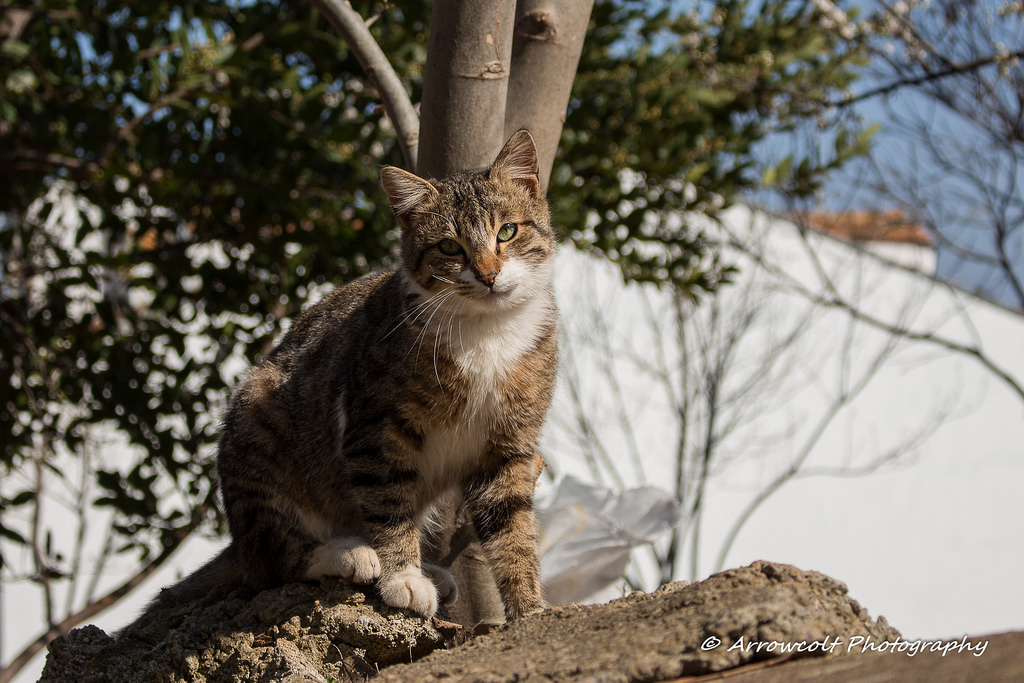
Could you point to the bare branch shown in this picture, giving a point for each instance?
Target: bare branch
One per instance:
(846, 395)
(80, 509)
(947, 71)
(354, 31)
(834, 300)
(96, 606)
(31, 160)
(39, 560)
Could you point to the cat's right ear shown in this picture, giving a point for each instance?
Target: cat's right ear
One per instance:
(405, 191)
(518, 161)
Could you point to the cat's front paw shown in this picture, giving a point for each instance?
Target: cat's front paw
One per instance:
(346, 556)
(444, 583)
(410, 589)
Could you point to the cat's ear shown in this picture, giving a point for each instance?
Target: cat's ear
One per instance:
(518, 160)
(405, 191)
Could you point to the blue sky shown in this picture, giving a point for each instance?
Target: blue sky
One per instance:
(948, 168)
(968, 179)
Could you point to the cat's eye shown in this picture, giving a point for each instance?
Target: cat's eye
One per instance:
(507, 232)
(449, 247)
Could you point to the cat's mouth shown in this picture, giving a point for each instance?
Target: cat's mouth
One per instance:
(499, 293)
(475, 289)
(493, 298)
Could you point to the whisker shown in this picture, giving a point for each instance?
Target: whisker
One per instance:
(452, 315)
(462, 343)
(437, 343)
(414, 313)
(440, 299)
(444, 279)
(451, 322)
(418, 344)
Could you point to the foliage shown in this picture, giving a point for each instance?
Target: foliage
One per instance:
(231, 155)
(178, 177)
(681, 101)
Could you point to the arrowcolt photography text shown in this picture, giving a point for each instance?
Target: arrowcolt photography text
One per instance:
(853, 644)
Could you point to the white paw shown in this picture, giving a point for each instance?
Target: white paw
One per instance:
(348, 557)
(410, 589)
(444, 583)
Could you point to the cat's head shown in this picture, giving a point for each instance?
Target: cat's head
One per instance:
(483, 238)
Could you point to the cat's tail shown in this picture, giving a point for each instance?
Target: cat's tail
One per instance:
(219, 575)
(221, 572)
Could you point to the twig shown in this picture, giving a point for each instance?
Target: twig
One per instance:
(950, 70)
(96, 606)
(354, 32)
(834, 300)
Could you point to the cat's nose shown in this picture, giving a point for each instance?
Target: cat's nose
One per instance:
(488, 277)
(486, 268)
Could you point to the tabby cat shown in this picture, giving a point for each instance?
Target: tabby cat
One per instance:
(401, 388)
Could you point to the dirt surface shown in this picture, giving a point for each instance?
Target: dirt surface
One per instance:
(678, 630)
(300, 632)
(333, 632)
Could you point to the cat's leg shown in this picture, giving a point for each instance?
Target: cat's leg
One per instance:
(348, 557)
(272, 548)
(271, 544)
(443, 581)
(385, 494)
(403, 583)
(501, 505)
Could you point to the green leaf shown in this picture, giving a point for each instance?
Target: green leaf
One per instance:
(699, 170)
(15, 48)
(22, 498)
(12, 535)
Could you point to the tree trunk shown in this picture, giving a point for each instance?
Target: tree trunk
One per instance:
(464, 85)
(545, 53)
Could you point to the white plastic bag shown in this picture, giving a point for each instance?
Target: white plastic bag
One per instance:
(587, 534)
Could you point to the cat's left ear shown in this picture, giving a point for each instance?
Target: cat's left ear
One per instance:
(518, 160)
(405, 191)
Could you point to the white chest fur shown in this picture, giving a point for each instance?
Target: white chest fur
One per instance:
(486, 347)
(449, 450)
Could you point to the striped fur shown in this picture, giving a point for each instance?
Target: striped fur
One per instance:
(401, 387)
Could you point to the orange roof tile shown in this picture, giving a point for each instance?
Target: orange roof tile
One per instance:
(868, 226)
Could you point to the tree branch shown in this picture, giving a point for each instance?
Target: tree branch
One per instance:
(957, 69)
(354, 31)
(845, 396)
(32, 160)
(834, 300)
(96, 606)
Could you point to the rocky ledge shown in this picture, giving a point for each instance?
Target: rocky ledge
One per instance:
(751, 617)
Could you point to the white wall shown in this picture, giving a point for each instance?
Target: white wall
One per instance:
(931, 540)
